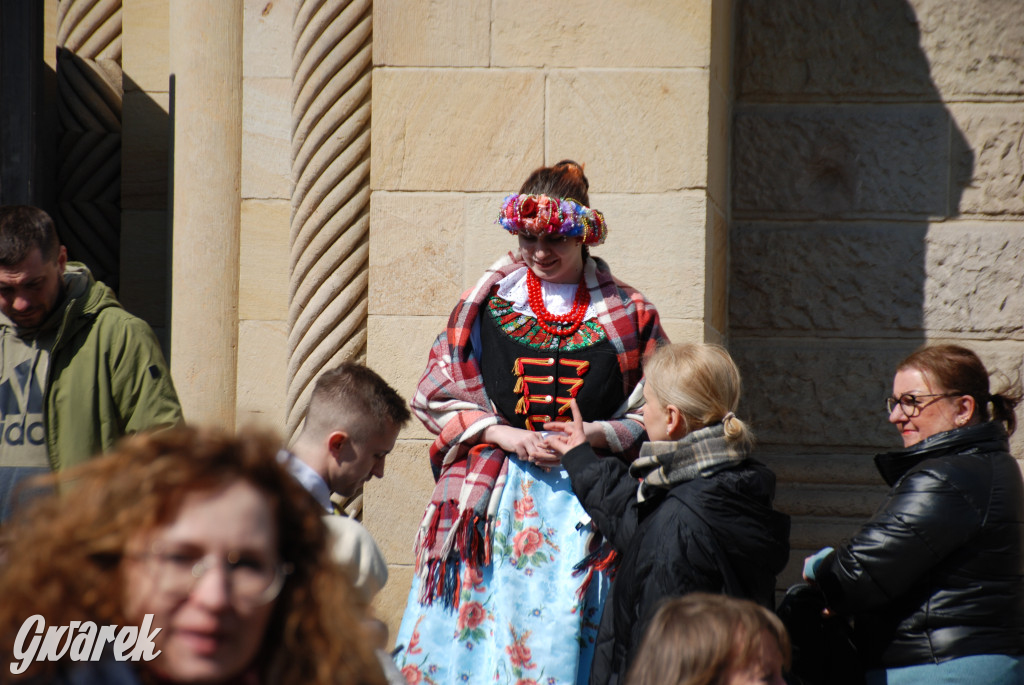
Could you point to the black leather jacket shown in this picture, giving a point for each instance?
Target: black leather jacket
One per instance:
(937, 572)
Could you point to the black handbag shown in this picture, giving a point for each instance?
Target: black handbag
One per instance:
(823, 649)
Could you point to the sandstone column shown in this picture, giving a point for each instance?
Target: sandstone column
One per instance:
(330, 203)
(206, 96)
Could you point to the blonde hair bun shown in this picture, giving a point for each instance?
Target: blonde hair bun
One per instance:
(703, 382)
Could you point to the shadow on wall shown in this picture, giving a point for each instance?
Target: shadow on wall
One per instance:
(843, 156)
(145, 265)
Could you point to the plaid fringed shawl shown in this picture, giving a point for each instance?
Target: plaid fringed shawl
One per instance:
(451, 402)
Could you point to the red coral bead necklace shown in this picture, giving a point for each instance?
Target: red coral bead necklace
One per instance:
(561, 324)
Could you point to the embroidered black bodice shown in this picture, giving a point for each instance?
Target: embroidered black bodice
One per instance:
(531, 375)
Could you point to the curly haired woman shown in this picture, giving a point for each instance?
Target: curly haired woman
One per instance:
(199, 535)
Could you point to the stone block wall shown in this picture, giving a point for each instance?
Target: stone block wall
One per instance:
(468, 98)
(266, 212)
(877, 205)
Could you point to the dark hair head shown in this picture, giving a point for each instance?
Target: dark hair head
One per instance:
(353, 398)
(701, 638)
(23, 229)
(563, 180)
(958, 369)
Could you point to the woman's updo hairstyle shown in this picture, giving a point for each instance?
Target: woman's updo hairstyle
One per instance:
(702, 381)
(958, 369)
(563, 180)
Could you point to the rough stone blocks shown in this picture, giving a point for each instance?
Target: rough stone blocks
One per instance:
(975, 47)
(975, 284)
(416, 253)
(431, 33)
(806, 394)
(924, 49)
(444, 129)
(601, 33)
(640, 131)
(832, 161)
(818, 395)
(657, 245)
(263, 260)
(990, 168)
(827, 279)
(878, 279)
(266, 138)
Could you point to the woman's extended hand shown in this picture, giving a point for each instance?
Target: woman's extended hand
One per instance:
(562, 436)
(527, 445)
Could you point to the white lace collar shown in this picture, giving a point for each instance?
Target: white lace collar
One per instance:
(558, 297)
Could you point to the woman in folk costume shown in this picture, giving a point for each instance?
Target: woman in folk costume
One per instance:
(510, 578)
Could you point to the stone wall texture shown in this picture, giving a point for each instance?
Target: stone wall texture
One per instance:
(877, 205)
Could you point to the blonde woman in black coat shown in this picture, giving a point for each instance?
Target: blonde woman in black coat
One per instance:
(701, 520)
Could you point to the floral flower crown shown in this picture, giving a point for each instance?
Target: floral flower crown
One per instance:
(539, 214)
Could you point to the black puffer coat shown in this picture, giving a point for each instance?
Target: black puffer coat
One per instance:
(937, 572)
(710, 534)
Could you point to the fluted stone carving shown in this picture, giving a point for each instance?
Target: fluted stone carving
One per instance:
(89, 95)
(330, 203)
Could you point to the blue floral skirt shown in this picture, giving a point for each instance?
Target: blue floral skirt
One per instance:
(520, 620)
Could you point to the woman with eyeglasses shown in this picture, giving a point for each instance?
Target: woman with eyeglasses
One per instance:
(197, 534)
(934, 580)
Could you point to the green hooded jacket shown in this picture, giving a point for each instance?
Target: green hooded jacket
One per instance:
(107, 377)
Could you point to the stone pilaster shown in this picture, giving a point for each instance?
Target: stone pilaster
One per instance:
(206, 96)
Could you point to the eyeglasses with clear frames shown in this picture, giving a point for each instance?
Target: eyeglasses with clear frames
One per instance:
(912, 405)
(252, 581)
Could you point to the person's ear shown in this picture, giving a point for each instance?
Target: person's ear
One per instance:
(965, 406)
(676, 422)
(336, 442)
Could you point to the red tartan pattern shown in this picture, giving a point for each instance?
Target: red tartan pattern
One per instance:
(451, 402)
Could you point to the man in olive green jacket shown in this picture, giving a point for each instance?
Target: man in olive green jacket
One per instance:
(77, 371)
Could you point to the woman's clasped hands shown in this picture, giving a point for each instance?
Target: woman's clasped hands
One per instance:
(545, 449)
